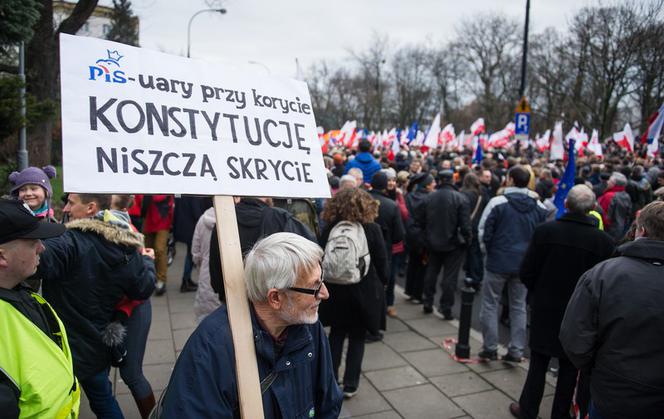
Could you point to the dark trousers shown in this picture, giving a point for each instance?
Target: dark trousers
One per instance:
(451, 262)
(99, 390)
(533, 389)
(474, 265)
(397, 261)
(415, 274)
(138, 327)
(354, 354)
(188, 265)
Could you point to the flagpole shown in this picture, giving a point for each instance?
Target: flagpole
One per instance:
(524, 59)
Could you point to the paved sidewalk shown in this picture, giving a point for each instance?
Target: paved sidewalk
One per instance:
(407, 375)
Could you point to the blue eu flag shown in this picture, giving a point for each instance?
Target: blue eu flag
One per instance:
(412, 132)
(567, 182)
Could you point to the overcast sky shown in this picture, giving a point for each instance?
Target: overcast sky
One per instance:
(276, 32)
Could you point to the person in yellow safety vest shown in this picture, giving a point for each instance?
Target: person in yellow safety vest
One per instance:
(597, 215)
(36, 368)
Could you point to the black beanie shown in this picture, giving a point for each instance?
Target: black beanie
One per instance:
(379, 181)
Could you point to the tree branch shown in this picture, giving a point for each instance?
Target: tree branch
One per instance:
(78, 17)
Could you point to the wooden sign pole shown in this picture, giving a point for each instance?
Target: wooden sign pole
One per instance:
(246, 368)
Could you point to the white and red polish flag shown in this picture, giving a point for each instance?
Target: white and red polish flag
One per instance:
(651, 135)
(542, 143)
(594, 145)
(478, 127)
(625, 138)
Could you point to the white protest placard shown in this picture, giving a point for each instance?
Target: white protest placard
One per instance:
(140, 121)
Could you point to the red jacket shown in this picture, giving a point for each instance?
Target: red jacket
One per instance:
(160, 214)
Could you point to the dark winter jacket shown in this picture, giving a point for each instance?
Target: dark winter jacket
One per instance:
(389, 220)
(445, 218)
(365, 162)
(640, 193)
(613, 327)
(364, 302)
(473, 198)
(255, 220)
(506, 227)
(415, 237)
(85, 272)
(188, 209)
(617, 207)
(204, 381)
(559, 253)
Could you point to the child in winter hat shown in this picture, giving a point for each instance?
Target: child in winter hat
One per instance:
(33, 186)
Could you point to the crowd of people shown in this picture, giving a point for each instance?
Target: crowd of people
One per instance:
(584, 286)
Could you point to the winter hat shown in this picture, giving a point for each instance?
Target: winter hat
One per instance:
(391, 173)
(379, 181)
(420, 181)
(33, 176)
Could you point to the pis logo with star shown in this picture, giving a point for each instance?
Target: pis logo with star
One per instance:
(108, 68)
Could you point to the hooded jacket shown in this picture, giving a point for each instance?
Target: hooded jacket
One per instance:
(613, 327)
(365, 162)
(85, 272)
(506, 227)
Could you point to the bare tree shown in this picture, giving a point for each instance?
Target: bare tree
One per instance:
(489, 45)
(373, 79)
(43, 69)
(412, 85)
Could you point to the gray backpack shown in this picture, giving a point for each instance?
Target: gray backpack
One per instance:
(347, 258)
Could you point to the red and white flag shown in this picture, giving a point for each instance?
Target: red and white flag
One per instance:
(501, 139)
(542, 143)
(651, 136)
(594, 145)
(478, 127)
(447, 135)
(625, 138)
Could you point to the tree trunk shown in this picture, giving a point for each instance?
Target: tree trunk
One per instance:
(43, 70)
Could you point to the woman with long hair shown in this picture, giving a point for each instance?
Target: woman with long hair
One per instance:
(355, 309)
(477, 200)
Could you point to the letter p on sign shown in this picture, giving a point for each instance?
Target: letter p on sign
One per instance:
(522, 123)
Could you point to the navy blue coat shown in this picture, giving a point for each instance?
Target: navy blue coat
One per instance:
(204, 385)
(85, 272)
(506, 227)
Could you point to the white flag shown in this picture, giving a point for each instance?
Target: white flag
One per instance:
(594, 145)
(431, 139)
(557, 145)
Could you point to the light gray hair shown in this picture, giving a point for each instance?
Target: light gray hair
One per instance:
(618, 179)
(347, 179)
(276, 262)
(580, 199)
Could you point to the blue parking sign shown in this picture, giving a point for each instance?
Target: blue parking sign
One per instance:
(522, 123)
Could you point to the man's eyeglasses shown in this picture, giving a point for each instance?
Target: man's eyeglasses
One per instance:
(310, 291)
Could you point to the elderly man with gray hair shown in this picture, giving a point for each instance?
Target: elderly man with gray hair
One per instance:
(285, 287)
(617, 206)
(558, 254)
